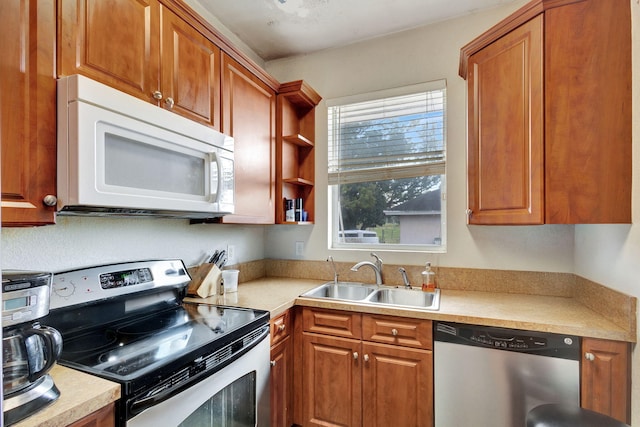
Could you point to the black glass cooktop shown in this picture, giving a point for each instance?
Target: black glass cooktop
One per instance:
(133, 348)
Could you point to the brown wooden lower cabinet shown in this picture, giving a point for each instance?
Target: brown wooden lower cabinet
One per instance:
(104, 417)
(281, 386)
(606, 378)
(357, 382)
(281, 393)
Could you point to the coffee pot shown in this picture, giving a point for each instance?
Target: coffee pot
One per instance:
(28, 353)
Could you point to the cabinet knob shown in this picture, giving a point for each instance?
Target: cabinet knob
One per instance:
(169, 102)
(273, 363)
(366, 357)
(281, 327)
(469, 212)
(157, 95)
(590, 357)
(394, 332)
(355, 355)
(50, 200)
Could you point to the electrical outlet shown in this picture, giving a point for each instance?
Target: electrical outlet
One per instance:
(231, 254)
(299, 248)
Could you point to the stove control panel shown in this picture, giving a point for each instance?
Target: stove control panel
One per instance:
(119, 279)
(108, 281)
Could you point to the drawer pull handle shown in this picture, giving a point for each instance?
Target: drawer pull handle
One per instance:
(281, 327)
(394, 332)
(590, 357)
(273, 363)
(366, 357)
(355, 355)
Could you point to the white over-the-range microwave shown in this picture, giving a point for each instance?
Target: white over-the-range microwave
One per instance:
(119, 155)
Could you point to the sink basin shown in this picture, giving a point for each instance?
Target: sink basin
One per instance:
(414, 298)
(341, 290)
(371, 294)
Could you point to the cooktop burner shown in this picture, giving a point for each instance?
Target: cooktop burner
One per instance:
(134, 348)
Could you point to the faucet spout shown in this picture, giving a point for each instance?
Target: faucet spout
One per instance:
(371, 265)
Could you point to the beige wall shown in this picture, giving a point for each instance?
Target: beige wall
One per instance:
(608, 254)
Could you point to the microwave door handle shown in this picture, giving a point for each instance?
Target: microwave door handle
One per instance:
(216, 179)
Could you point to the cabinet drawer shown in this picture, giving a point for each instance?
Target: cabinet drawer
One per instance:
(397, 331)
(280, 327)
(332, 322)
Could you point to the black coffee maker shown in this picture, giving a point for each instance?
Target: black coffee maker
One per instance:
(29, 349)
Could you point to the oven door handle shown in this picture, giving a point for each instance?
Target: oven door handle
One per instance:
(138, 406)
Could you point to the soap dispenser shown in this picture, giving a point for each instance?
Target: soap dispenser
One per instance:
(428, 278)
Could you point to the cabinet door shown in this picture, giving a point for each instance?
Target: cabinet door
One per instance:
(588, 124)
(397, 386)
(27, 111)
(115, 42)
(606, 378)
(248, 114)
(281, 383)
(104, 417)
(505, 129)
(332, 381)
(190, 71)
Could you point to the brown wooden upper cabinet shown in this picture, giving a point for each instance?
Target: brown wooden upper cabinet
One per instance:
(27, 112)
(549, 115)
(144, 49)
(249, 115)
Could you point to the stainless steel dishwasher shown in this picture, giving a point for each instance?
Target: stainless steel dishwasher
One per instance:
(485, 376)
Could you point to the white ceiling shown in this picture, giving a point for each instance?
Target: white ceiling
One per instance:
(280, 28)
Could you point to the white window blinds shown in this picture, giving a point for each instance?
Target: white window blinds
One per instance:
(388, 138)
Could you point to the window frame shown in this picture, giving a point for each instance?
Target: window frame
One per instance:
(333, 194)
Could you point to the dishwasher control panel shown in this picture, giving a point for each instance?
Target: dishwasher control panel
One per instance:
(543, 343)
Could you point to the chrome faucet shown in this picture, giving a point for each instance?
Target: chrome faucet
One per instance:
(335, 271)
(405, 279)
(377, 267)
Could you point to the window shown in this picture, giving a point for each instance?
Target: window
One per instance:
(387, 169)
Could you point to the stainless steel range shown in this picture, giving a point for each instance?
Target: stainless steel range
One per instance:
(179, 364)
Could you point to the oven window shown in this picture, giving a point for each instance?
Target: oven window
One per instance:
(233, 406)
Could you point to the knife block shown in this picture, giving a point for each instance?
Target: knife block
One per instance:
(205, 280)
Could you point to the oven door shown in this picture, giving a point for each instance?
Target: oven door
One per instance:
(237, 395)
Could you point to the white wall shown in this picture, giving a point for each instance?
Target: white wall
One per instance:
(79, 242)
(420, 55)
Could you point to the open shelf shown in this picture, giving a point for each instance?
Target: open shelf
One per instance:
(295, 148)
(299, 140)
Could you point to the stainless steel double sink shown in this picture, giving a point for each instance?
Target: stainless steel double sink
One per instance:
(376, 295)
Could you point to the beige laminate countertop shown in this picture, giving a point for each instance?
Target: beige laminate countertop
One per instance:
(518, 311)
(80, 395)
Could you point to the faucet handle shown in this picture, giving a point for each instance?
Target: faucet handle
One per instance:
(378, 259)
